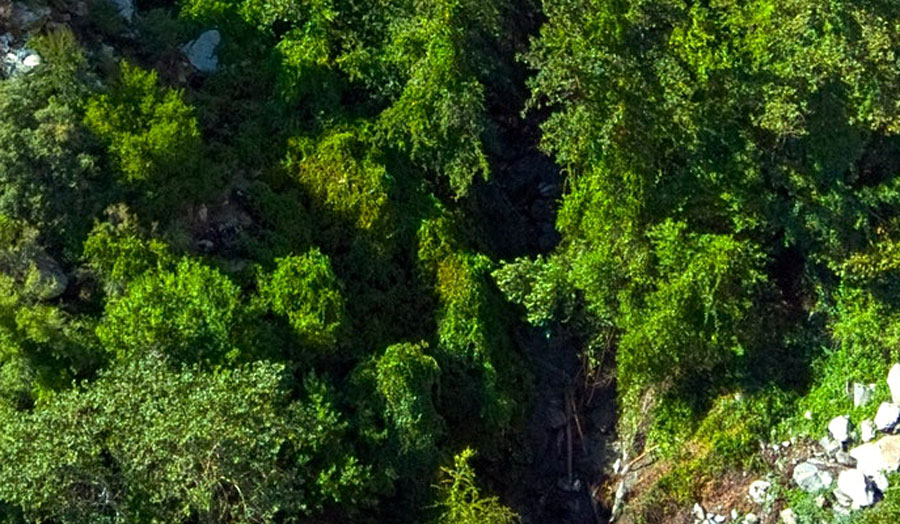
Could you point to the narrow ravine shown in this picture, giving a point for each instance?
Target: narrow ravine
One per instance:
(569, 438)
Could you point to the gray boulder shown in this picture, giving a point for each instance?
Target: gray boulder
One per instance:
(201, 52)
(893, 382)
(830, 446)
(867, 430)
(839, 428)
(810, 478)
(854, 484)
(862, 394)
(887, 416)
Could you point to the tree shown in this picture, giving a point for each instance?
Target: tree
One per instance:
(406, 377)
(188, 314)
(42, 346)
(152, 444)
(480, 373)
(50, 170)
(305, 290)
(460, 500)
(151, 133)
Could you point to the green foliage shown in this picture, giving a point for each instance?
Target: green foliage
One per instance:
(439, 118)
(727, 165)
(470, 331)
(306, 291)
(151, 133)
(118, 251)
(540, 285)
(460, 500)
(691, 319)
(146, 443)
(405, 377)
(343, 180)
(49, 170)
(188, 314)
(42, 347)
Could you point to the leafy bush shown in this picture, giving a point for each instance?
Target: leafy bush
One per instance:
(306, 291)
(151, 133)
(461, 501)
(187, 314)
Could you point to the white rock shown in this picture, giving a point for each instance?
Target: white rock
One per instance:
(201, 52)
(881, 482)
(31, 61)
(807, 415)
(839, 427)
(759, 491)
(893, 382)
(734, 514)
(830, 446)
(788, 516)
(862, 394)
(751, 518)
(853, 483)
(20, 61)
(810, 478)
(698, 512)
(880, 456)
(867, 430)
(887, 416)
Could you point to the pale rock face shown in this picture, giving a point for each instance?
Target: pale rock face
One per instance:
(887, 416)
(893, 382)
(839, 427)
(856, 487)
(201, 52)
(881, 456)
(862, 394)
(867, 430)
(759, 491)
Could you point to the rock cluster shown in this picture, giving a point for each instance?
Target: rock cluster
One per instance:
(15, 57)
(849, 471)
